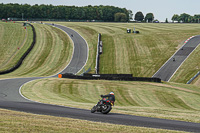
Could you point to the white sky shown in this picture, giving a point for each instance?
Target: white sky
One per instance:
(161, 9)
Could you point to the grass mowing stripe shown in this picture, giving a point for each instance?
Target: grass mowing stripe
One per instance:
(169, 101)
(108, 65)
(53, 43)
(11, 40)
(153, 46)
(47, 48)
(17, 122)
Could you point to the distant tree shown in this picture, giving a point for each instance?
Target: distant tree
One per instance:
(120, 17)
(149, 17)
(104, 13)
(175, 17)
(130, 14)
(166, 21)
(191, 19)
(184, 17)
(197, 18)
(139, 16)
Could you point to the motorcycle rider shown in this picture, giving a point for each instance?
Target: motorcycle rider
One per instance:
(111, 97)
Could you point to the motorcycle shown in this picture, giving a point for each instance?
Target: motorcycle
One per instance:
(104, 106)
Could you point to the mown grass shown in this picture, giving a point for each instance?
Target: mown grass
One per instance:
(90, 35)
(166, 100)
(142, 54)
(51, 54)
(17, 122)
(14, 41)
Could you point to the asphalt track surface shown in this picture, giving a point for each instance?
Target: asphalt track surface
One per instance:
(166, 72)
(10, 98)
(80, 51)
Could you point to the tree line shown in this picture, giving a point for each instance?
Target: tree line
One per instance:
(182, 18)
(186, 18)
(140, 17)
(103, 13)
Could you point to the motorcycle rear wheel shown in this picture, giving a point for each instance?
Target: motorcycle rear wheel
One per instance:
(107, 110)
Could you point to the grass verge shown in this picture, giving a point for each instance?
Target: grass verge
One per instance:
(15, 40)
(17, 122)
(166, 100)
(50, 55)
(142, 54)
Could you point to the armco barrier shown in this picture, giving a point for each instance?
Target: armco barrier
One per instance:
(23, 56)
(193, 78)
(98, 54)
(122, 77)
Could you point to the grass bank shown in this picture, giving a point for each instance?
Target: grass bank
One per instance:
(50, 55)
(14, 42)
(17, 122)
(90, 35)
(166, 100)
(142, 54)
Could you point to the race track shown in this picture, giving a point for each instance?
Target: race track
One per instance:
(10, 98)
(166, 72)
(80, 51)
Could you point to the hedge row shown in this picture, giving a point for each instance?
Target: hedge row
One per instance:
(122, 77)
(23, 56)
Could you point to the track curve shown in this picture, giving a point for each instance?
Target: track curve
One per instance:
(10, 98)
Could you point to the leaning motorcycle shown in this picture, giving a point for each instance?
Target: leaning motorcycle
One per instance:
(104, 106)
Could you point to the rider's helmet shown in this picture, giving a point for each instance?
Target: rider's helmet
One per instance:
(112, 93)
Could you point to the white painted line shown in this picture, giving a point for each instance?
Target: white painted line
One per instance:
(37, 101)
(183, 62)
(72, 55)
(22, 94)
(73, 49)
(171, 58)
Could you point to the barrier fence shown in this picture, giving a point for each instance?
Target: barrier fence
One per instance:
(23, 56)
(121, 77)
(193, 78)
(98, 54)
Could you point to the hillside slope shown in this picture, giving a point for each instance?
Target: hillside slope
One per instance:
(161, 100)
(139, 54)
(14, 41)
(50, 55)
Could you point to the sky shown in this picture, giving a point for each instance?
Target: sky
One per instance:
(161, 9)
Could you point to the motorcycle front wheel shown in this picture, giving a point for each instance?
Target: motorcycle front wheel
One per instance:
(93, 109)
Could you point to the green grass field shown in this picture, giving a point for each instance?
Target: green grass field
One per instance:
(142, 54)
(51, 54)
(160, 100)
(15, 40)
(18, 122)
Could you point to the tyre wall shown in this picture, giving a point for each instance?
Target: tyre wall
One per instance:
(121, 77)
(23, 56)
